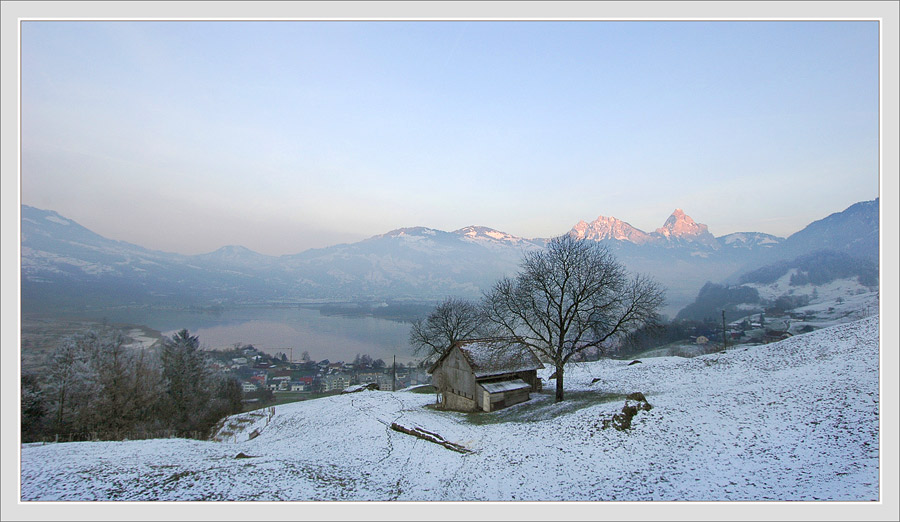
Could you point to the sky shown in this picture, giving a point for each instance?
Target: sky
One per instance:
(282, 136)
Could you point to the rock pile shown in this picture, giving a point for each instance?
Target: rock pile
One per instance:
(633, 404)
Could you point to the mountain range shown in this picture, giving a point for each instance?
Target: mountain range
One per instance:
(678, 230)
(65, 265)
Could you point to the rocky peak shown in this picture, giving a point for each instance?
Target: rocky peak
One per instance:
(680, 227)
(609, 228)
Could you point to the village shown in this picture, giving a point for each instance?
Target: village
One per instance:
(267, 378)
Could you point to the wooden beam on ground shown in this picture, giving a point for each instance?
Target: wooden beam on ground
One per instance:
(430, 437)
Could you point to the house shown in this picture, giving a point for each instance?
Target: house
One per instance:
(336, 381)
(485, 374)
(302, 384)
(367, 377)
(386, 382)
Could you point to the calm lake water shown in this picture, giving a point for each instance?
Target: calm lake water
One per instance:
(271, 329)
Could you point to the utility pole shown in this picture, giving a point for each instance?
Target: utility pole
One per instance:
(394, 375)
(724, 332)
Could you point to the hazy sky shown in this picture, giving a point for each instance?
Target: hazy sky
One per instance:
(282, 136)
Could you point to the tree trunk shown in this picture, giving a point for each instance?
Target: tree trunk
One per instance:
(559, 384)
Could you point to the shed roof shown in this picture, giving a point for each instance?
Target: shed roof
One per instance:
(505, 386)
(489, 357)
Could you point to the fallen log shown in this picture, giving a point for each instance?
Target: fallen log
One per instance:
(430, 437)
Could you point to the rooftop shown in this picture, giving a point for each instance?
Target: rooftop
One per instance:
(489, 357)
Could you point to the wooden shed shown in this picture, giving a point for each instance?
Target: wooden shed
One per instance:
(485, 375)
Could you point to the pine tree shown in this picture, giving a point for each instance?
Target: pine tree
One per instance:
(185, 376)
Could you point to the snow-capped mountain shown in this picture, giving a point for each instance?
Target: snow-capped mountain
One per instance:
(65, 264)
(494, 238)
(415, 262)
(680, 228)
(749, 240)
(604, 228)
(68, 265)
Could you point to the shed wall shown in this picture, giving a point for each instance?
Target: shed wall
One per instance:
(457, 377)
(453, 401)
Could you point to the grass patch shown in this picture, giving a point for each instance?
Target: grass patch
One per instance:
(288, 397)
(541, 407)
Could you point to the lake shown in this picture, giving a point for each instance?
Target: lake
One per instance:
(291, 330)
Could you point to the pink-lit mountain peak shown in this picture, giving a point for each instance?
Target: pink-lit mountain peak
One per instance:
(609, 228)
(680, 225)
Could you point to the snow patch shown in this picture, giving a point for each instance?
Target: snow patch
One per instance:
(58, 220)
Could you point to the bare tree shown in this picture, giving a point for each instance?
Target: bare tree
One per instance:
(362, 361)
(72, 381)
(570, 297)
(451, 321)
(147, 389)
(91, 380)
(100, 386)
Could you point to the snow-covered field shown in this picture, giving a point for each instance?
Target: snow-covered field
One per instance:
(794, 420)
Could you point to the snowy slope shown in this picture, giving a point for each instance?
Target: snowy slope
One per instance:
(495, 239)
(794, 420)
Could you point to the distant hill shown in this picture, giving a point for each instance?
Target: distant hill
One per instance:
(785, 284)
(853, 231)
(415, 262)
(817, 268)
(713, 298)
(65, 265)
